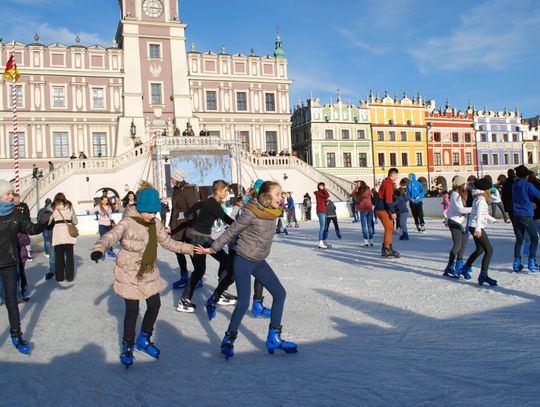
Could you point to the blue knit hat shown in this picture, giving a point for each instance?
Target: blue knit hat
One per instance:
(258, 184)
(148, 200)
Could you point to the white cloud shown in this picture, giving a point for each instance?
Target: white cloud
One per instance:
(306, 82)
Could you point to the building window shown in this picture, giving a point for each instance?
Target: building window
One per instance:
(437, 158)
(271, 140)
(362, 160)
(98, 98)
(485, 159)
(345, 134)
(403, 136)
(213, 133)
(483, 137)
(60, 144)
(506, 158)
(381, 159)
(495, 159)
(154, 51)
(361, 134)
(211, 100)
(529, 157)
(392, 136)
(516, 158)
(330, 160)
(241, 101)
(455, 138)
(467, 137)
(419, 161)
(505, 137)
(270, 102)
(18, 89)
(347, 160)
(437, 137)
(418, 136)
(468, 158)
(493, 137)
(404, 159)
(329, 134)
(100, 144)
(455, 158)
(243, 136)
(380, 136)
(20, 142)
(515, 137)
(59, 96)
(393, 159)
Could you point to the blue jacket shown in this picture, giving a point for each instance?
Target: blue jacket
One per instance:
(415, 190)
(290, 203)
(523, 192)
(401, 205)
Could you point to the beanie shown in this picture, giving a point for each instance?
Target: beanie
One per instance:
(458, 181)
(5, 187)
(178, 175)
(148, 200)
(483, 184)
(258, 184)
(522, 171)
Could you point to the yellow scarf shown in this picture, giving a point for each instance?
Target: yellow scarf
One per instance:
(266, 213)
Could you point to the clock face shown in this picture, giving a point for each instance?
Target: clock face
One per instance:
(153, 8)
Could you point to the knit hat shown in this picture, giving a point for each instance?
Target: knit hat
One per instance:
(483, 184)
(258, 184)
(5, 187)
(458, 181)
(178, 175)
(522, 171)
(148, 200)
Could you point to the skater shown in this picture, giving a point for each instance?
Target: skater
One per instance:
(22, 207)
(200, 234)
(496, 202)
(184, 197)
(306, 204)
(479, 219)
(415, 195)
(364, 206)
(163, 210)
(291, 211)
(386, 211)
(523, 192)
(11, 223)
(103, 210)
(352, 202)
(136, 275)
(445, 205)
(331, 216)
(128, 203)
(62, 242)
(321, 195)
(457, 216)
(255, 229)
(47, 233)
(506, 193)
(403, 214)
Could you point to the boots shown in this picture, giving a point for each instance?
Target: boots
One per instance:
(227, 344)
(211, 308)
(484, 278)
(517, 266)
(20, 344)
(274, 341)
(145, 345)
(450, 271)
(322, 245)
(258, 310)
(459, 266)
(126, 355)
(466, 272)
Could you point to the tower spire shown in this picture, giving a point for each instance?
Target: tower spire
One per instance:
(278, 52)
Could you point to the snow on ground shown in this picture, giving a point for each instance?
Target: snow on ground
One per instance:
(371, 332)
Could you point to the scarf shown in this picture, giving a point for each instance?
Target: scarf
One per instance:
(6, 208)
(148, 261)
(264, 213)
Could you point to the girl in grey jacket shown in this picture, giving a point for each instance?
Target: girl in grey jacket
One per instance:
(255, 228)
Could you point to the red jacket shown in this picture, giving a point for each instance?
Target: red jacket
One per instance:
(365, 204)
(386, 193)
(321, 196)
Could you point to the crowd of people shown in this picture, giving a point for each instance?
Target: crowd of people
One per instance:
(257, 215)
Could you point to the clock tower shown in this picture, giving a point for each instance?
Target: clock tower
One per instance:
(156, 87)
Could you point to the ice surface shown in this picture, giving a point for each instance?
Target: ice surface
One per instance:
(371, 332)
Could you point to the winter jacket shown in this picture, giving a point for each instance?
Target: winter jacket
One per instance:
(290, 203)
(401, 205)
(330, 209)
(457, 210)
(254, 234)
(523, 192)
(506, 195)
(480, 216)
(104, 214)
(208, 212)
(133, 238)
(385, 197)
(321, 196)
(10, 226)
(184, 197)
(364, 204)
(60, 229)
(306, 203)
(495, 195)
(415, 190)
(23, 209)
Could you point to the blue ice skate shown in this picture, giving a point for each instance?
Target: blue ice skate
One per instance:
(145, 345)
(274, 341)
(517, 267)
(532, 266)
(211, 308)
(450, 270)
(180, 283)
(259, 310)
(126, 354)
(20, 344)
(466, 272)
(227, 344)
(459, 266)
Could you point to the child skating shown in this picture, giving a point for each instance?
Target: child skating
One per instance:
(136, 273)
(331, 216)
(255, 228)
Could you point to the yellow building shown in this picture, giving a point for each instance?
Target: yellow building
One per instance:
(399, 133)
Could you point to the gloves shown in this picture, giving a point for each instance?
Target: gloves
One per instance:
(96, 255)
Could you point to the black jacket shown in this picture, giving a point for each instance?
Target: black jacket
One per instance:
(506, 195)
(24, 210)
(12, 224)
(207, 213)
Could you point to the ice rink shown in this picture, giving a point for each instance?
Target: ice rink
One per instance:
(371, 332)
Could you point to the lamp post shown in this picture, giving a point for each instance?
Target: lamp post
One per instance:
(133, 130)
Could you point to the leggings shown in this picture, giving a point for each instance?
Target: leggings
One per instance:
(243, 270)
(483, 245)
(153, 304)
(458, 238)
(525, 226)
(257, 285)
(182, 263)
(64, 263)
(332, 219)
(9, 279)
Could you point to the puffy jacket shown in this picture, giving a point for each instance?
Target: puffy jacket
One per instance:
(60, 230)
(415, 190)
(480, 216)
(523, 192)
(321, 196)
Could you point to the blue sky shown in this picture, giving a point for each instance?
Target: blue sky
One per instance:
(482, 50)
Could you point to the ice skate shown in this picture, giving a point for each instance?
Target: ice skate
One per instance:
(274, 341)
(227, 344)
(146, 346)
(126, 354)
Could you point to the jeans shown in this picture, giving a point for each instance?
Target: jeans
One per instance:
(354, 212)
(103, 229)
(458, 238)
(366, 220)
(483, 245)
(332, 219)
(47, 237)
(153, 305)
(417, 210)
(403, 222)
(243, 270)
(522, 226)
(9, 280)
(322, 224)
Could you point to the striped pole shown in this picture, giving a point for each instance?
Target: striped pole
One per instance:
(15, 132)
